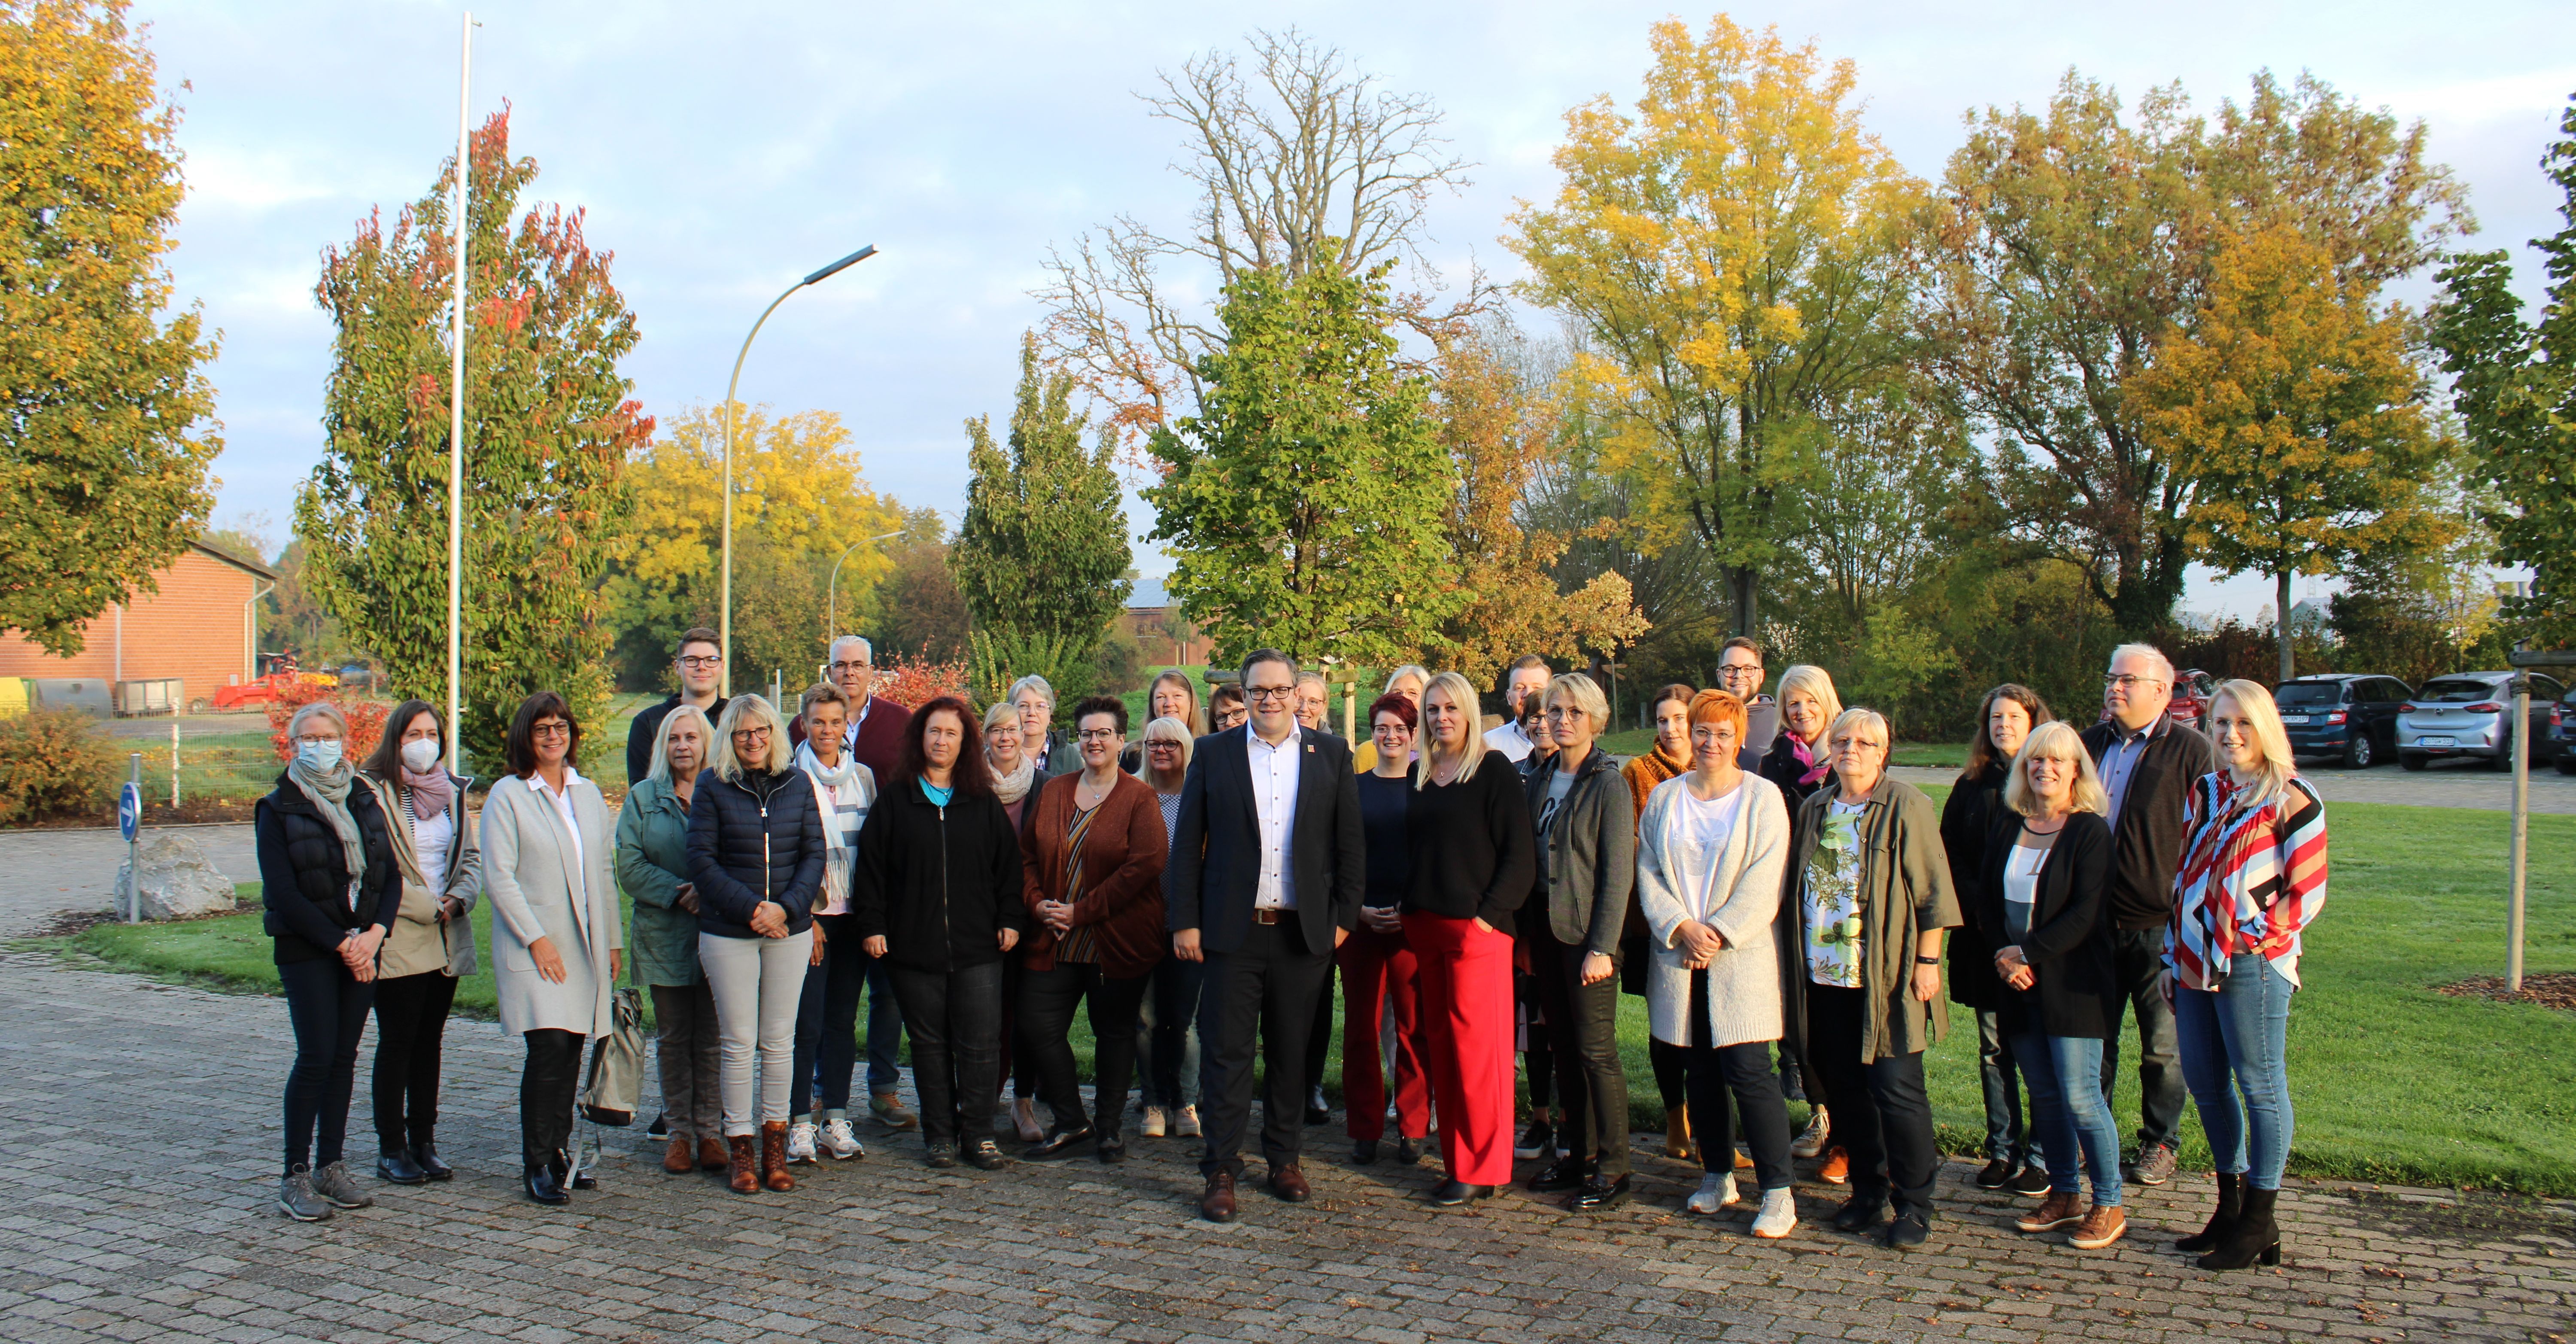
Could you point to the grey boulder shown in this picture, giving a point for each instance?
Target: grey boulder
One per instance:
(178, 880)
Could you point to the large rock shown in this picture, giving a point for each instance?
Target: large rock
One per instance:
(178, 881)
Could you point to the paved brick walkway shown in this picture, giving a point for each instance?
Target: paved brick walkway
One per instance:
(138, 1127)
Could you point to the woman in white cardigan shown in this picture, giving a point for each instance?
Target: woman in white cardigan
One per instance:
(557, 940)
(1711, 850)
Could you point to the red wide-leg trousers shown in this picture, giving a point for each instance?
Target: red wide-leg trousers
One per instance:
(1465, 979)
(1378, 975)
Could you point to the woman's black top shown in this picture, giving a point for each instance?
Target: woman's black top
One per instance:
(2069, 944)
(1780, 766)
(1385, 806)
(1474, 856)
(755, 838)
(1975, 808)
(304, 872)
(939, 882)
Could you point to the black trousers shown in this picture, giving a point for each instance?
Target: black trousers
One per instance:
(1583, 1033)
(1882, 1117)
(1710, 1072)
(955, 1021)
(547, 1085)
(411, 1030)
(327, 1007)
(1264, 990)
(2138, 959)
(1047, 1001)
(1319, 1037)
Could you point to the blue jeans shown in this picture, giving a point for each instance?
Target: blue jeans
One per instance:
(2233, 1041)
(2069, 1112)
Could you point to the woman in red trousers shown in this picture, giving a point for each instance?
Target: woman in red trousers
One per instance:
(1473, 858)
(1378, 965)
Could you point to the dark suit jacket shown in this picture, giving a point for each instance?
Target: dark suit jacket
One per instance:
(2147, 839)
(1215, 862)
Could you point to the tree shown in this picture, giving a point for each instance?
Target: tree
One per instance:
(109, 431)
(800, 500)
(2515, 391)
(1305, 503)
(1041, 554)
(1316, 166)
(2293, 409)
(1733, 251)
(916, 610)
(2070, 243)
(548, 430)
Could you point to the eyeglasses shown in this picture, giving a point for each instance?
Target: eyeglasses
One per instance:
(1739, 671)
(1269, 695)
(550, 728)
(301, 740)
(700, 659)
(751, 734)
(2127, 681)
(1098, 735)
(1162, 744)
(837, 669)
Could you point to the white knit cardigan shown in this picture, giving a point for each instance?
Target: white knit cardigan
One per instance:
(1738, 900)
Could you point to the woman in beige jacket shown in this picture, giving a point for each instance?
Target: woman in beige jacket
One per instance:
(432, 943)
(557, 941)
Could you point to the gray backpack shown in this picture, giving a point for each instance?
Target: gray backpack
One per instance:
(617, 1064)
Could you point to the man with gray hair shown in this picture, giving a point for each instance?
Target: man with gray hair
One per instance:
(875, 732)
(2148, 763)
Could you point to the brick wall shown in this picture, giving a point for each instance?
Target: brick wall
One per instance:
(192, 629)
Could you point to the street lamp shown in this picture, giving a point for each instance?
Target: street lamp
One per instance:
(724, 619)
(832, 592)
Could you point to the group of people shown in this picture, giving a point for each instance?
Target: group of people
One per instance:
(1779, 900)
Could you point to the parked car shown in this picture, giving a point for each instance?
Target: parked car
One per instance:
(2562, 732)
(2190, 704)
(2469, 714)
(2351, 715)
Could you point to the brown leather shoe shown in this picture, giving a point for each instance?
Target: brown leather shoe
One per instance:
(773, 1157)
(711, 1154)
(2100, 1228)
(742, 1170)
(681, 1157)
(2062, 1208)
(1289, 1184)
(1217, 1205)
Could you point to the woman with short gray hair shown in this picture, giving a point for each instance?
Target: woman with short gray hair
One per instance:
(327, 886)
(1034, 699)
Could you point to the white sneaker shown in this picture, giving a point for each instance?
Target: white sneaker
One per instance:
(1189, 1126)
(840, 1142)
(1153, 1126)
(800, 1141)
(1778, 1216)
(1716, 1191)
(1811, 1141)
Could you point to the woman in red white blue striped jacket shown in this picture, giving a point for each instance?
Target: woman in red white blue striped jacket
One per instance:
(2253, 875)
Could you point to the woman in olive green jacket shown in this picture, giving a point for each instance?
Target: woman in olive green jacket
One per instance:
(652, 868)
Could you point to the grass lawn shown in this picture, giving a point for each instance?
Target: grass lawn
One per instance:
(2391, 1081)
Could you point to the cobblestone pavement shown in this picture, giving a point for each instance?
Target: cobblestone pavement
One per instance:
(138, 1128)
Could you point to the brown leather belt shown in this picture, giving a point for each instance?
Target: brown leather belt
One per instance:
(1266, 915)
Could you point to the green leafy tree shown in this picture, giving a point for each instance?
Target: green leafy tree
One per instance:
(109, 431)
(1041, 553)
(548, 430)
(2515, 390)
(1306, 504)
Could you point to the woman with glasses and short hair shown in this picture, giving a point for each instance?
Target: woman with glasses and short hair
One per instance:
(1171, 1031)
(1015, 780)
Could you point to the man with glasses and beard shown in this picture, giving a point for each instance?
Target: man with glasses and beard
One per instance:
(1740, 674)
(700, 661)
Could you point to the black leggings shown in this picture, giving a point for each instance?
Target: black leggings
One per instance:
(1047, 1000)
(547, 1085)
(411, 1029)
(328, 1009)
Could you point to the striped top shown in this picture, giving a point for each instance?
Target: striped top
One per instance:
(2251, 879)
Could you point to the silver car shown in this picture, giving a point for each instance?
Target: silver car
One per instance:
(2469, 714)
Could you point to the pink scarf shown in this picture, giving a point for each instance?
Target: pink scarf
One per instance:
(1815, 768)
(429, 792)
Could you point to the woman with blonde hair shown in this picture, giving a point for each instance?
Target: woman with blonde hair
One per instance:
(1798, 764)
(653, 871)
(2253, 875)
(1408, 681)
(1474, 859)
(1585, 825)
(1173, 694)
(1170, 1047)
(2043, 892)
(1015, 778)
(757, 854)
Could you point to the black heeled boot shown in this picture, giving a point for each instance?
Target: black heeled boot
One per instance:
(2254, 1237)
(544, 1186)
(2231, 1206)
(424, 1151)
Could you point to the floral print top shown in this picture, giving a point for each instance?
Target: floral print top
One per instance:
(1833, 899)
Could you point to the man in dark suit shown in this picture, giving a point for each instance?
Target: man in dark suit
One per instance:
(1264, 881)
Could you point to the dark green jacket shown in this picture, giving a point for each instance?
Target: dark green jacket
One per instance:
(652, 860)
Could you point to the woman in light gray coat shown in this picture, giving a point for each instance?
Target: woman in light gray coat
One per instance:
(1711, 852)
(557, 942)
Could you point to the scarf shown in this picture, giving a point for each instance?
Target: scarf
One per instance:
(844, 792)
(1011, 788)
(329, 790)
(1815, 769)
(429, 792)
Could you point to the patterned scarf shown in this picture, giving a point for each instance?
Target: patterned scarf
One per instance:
(1013, 787)
(1815, 769)
(429, 792)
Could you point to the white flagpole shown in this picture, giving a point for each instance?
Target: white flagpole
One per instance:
(456, 417)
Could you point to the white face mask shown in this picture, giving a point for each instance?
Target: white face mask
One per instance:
(319, 756)
(420, 754)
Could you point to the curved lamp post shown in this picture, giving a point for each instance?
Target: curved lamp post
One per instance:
(724, 620)
(832, 591)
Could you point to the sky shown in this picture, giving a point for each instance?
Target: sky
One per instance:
(722, 151)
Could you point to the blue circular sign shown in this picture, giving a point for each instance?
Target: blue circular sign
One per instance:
(129, 809)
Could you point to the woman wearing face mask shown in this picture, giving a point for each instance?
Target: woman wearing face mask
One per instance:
(1671, 755)
(1798, 764)
(2253, 876)
(1015, 779)
(1976, 806)
(328, 886)
(557, 941)
(653, 870)
(432, 942)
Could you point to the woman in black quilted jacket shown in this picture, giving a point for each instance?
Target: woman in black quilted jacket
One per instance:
(756, 855)
(327, 884)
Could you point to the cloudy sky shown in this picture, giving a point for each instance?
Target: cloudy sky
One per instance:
(723, 150)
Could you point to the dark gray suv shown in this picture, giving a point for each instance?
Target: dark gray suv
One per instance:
(2352, 716)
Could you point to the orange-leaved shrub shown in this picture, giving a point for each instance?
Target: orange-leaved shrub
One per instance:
(54, 762)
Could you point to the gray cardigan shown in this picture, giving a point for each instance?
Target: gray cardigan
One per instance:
(1591, 853)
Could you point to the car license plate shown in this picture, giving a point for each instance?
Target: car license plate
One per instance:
(2438, 743)
(2295, 720)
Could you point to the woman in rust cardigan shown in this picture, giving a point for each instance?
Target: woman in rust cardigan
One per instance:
(1093, 847)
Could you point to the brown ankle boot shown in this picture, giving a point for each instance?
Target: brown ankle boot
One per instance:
(681, 1157)
(712, 1155)
(740, 1173)
(773, 1157)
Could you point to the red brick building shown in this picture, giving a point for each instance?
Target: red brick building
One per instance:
(201, 628)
